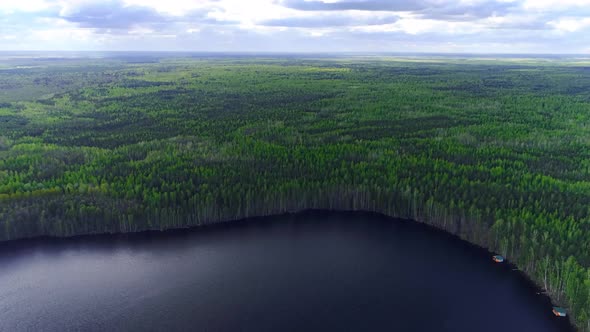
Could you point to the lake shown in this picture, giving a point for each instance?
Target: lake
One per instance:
(313, 271)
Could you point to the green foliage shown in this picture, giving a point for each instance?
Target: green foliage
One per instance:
(497, 153)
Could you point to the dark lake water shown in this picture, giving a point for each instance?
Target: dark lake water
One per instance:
(315, 271)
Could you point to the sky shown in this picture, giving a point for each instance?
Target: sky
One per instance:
(439, 26)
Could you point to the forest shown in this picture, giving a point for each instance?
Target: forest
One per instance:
(496, 151)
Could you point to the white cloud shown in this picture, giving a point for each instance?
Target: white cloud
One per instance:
(554, 5)
(570, 24)
(294, 25)
(63, 34)
(173, 7)
(11, 6)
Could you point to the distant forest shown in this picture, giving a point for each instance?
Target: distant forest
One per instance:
(497, 152)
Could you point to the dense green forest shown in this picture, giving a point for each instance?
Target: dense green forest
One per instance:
(497, 152)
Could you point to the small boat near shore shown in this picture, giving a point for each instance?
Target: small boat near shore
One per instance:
(498, 259)
(559, 312)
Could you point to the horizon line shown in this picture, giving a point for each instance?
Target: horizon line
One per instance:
(296, 52)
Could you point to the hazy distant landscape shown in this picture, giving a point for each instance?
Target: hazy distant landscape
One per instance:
(493, 149)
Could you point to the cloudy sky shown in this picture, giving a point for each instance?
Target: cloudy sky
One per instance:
(475, 26)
